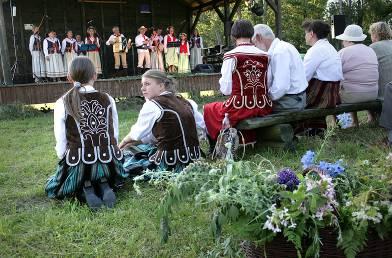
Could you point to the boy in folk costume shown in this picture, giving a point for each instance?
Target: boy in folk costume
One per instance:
(142, 43)
(196, 47)
(38, 59)
(86, 131)
(80, 43)
(53, 58)
(93, 46)
(69, 49)
(183, 62)
(171, 50)
(120, 49)
(244, 79)
(157, 50)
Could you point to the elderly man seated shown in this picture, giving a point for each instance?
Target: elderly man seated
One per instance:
(286, 76)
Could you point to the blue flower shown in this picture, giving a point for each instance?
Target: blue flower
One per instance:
(344, 120)
(307, 160)
(288, 177)
(331, 169)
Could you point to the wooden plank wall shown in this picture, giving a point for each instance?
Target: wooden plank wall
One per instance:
(69, 15)
(50, 92)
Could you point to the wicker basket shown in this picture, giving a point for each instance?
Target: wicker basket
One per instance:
(279, 247)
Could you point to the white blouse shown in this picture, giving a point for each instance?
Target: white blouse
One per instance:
(150, 112)
(228, 67)
(45, 45)
(59, 122)
(323, 62)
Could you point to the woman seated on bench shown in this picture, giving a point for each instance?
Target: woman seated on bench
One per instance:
(244, 76)
(165, 136)
(360, 69)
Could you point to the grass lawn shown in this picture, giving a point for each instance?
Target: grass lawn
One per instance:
(33, 225)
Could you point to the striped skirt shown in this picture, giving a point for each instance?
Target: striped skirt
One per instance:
(68, 57)
(96, 59)
(137, 157)
(68, 181)
(55, 66)
(38, 64)
(321, 94)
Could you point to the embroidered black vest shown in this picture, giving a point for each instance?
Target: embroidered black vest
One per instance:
(37, 44)
(53, 47)
(92, 138)
(175, 131)
(195, 42)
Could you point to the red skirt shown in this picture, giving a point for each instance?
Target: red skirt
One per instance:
(215, 112)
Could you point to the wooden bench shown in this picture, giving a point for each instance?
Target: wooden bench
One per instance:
(276, 128)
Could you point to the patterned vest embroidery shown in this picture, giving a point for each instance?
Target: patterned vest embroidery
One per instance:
(183, 47)
(70, 46)
(92, 138)
(175, 131)
(53, 47)
(37, 43)
(249, 82)
(195, 42)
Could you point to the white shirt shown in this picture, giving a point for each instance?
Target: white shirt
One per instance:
(31, 43)
(139, 41)
(45, 45)
(228, 67)
(323, 62)
(64, 44)
(59, 122)
(150, 112)
(286, 74)
(112, 38)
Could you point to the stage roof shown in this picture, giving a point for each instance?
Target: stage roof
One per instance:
(204, 4)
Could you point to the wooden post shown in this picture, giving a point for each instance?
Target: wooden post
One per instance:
(83, 18)
(4, 54)
(278, 18)
(227, 23)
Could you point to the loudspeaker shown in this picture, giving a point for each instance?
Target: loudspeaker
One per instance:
(203, 68)
(338, 24)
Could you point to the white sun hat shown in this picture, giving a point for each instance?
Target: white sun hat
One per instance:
(353, 33)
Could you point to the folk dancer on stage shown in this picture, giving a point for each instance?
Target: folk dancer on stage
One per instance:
(196, 48)
(166, 133)
(38, 59)
(244, 79)
(171, 50)
(142, 43)
(69, 49)
(53, 58)
(86, 131)
(183, 62)
(93, 47)
(80, 43)
(157, 50)
(120, 48)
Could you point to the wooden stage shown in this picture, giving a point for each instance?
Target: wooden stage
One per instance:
(117, 87)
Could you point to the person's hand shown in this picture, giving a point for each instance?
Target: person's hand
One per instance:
(47, 58)
(127, 145)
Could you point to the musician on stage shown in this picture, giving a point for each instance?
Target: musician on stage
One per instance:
(120, 48)
(142, 43)
(157, 50)
(93, 46)
(38, 59)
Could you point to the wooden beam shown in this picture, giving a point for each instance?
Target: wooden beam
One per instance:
(273, 5)
(4, 53)
(83, 10)
(278, 19)
(220, 14)
(234, 10)
(293, 116)
(102, 2)
(195, 21)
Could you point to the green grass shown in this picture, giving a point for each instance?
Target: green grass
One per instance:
(33, 225)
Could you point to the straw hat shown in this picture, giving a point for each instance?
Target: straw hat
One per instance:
(142, 28)
(352, 33)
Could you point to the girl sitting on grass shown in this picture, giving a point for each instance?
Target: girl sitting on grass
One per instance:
(86, 131)
(165, 136)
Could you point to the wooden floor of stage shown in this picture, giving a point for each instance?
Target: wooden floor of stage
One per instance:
(48, 92)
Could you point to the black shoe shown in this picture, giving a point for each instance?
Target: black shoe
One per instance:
(107, 194)
(93, 201)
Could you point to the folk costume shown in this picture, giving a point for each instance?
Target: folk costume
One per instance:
(38, 59)
(183, 62)
(53, 58)
(120, 50)
(244, 79)
(196, 48)
(87, 149)
(157, 52)
(323, 69)
(80, 51)
(171, 50)
(69, 49)
(93, 47)
(168, 128)
(142, 43)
